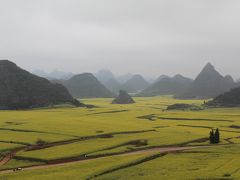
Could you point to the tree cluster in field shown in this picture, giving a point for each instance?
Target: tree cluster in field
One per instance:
(214, 137)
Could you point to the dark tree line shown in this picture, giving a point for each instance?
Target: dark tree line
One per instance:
(214, 136)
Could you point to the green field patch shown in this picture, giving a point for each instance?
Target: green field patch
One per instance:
(109, 112)
(7, 146)
(193, 119)
(29, 159)
(72, 132)
(32, 131)
(128, 165)
(13, 123)
(102, 146)
(15, 142)
(78, 170)
(153, 117)
(156, 108)
(120, 148)
(214, 164)
(27, 138)
(15, 163)
(99, 132)
(65, 142)
(69, 151)
(129, 147)
(158, 127)
(192, 126)
(233, 140)
(150, 117)
(234, 127)
(86, 147)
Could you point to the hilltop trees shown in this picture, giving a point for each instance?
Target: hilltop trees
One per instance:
(214, 137)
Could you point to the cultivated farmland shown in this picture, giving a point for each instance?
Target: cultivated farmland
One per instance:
(135, 141)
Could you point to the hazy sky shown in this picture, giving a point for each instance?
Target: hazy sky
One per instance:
(150, 37)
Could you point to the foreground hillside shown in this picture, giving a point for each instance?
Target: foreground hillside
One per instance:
(20, 89)
(137, 141)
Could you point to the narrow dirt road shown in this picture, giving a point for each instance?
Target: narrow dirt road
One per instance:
(162, 150)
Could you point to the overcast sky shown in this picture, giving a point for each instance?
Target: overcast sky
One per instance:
(150, 37)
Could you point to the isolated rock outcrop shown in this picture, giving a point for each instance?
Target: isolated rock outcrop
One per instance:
(123, 98)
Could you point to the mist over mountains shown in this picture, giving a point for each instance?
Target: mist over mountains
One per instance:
(55, 74)
(208, 84)
(135, 84)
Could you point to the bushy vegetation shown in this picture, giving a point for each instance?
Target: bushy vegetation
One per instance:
(191, 107)
(214, 137)
(228, 99)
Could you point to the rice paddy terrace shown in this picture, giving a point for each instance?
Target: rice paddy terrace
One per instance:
(135, 141)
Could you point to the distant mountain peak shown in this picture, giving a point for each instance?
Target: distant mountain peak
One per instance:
(181, 78)
(104, 75)
(162, 77)
(167, 85)
(209, 83)
(86, 85)
(207, 72)
(138, 76)
(135, 84)
(124, 78)
(208, 67)
(229, 78)
(178, 76)
(5, 62)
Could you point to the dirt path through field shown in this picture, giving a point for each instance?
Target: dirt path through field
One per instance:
(147, 151)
